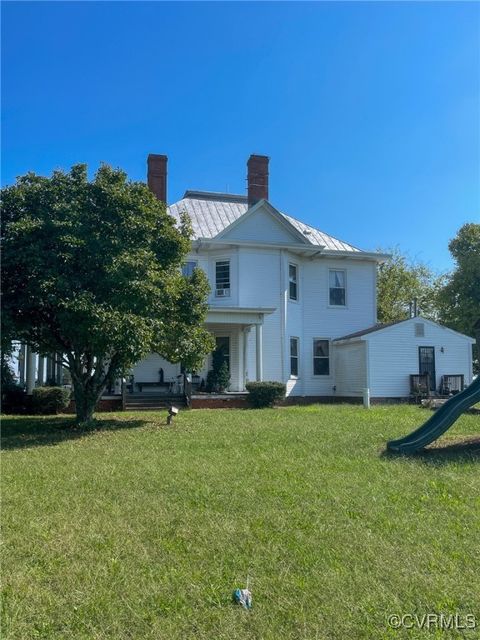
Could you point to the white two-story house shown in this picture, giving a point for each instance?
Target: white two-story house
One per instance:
(285, 297)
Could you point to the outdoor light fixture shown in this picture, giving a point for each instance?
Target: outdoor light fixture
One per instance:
(172, 412)
(442, 349)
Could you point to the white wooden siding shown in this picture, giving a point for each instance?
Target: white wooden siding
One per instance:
(350, 369)
(322, 321)
(393, 356)
(260, 227)
(148, 370)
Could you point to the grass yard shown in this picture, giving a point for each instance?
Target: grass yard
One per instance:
(140, 531)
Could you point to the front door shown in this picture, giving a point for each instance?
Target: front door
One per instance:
(426, 364)
(223, 347)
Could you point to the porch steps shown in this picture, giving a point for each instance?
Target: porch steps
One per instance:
(153, 402)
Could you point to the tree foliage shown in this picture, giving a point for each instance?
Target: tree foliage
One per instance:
(399, 282)
(91, 269)
(459, 298)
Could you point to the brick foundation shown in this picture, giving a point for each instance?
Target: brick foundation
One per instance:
(104, 404)
(231, 402)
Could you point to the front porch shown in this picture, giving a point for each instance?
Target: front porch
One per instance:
(238, 332)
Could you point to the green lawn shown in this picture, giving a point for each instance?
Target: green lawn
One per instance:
(140, 531)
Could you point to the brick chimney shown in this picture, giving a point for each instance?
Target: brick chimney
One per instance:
(257, 178)
(157, 175)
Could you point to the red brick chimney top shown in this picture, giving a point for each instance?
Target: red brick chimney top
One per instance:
(257, 178)
(157, 175)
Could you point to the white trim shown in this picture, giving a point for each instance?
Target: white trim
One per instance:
(356, 255)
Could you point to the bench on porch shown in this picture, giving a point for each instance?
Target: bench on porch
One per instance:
(419, 385)
(165, 385)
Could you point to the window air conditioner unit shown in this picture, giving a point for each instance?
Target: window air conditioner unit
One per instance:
(221, 293)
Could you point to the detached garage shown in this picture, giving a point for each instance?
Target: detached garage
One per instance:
(388, 359)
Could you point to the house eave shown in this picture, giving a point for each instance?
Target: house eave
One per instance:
(220, 243)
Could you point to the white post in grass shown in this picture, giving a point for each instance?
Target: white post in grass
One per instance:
(366, 398)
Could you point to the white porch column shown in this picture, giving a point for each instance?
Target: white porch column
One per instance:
(240, 364)
(30, 374)
(246, 333)
(259, 351)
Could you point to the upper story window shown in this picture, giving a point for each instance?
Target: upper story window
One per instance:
(222, 278)
(189, 267)
(293, 282)
(294, 356)
(321, 357)
(337, 288)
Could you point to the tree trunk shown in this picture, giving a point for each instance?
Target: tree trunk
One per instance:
(86, 398)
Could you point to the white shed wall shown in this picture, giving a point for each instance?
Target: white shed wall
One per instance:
(393, 356)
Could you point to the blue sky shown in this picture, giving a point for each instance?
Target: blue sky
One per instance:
(370, 112)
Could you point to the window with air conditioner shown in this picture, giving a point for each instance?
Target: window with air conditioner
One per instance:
(222, 278)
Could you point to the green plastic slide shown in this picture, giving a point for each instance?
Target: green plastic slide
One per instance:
(439, 422)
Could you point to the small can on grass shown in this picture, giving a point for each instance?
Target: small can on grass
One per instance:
(243, 597)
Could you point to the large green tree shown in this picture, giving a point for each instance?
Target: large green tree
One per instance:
(399, 282)
(459, 298)
(92, 270)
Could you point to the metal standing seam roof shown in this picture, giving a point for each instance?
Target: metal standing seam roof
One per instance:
(210, 213)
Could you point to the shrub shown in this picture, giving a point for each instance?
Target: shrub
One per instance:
(14, 399)
(223, 377)
(50, 400)
(265, 394)
(218, 378)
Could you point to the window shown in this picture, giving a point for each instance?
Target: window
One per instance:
(321, 357)
(294, 356)
(337, 288)
(292, 282)
(188, 268)
(222, 278)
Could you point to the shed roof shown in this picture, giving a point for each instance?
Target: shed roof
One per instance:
(210, 213)
(379, 327)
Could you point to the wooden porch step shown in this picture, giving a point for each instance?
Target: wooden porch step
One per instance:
(153, 403)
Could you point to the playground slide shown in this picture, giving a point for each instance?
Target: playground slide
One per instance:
(439, 422)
